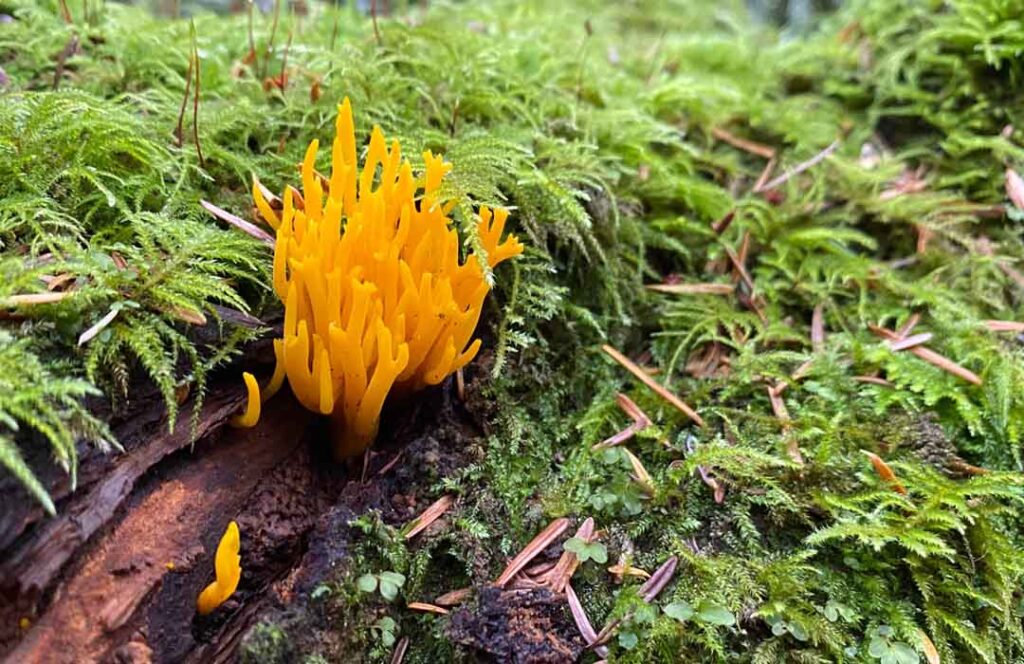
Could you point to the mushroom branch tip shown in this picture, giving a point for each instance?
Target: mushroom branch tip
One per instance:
(377, 300)
(228, 569)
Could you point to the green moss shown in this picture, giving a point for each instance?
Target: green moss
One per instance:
(596, 122)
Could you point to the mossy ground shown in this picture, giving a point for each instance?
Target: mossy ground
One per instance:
(600, 125)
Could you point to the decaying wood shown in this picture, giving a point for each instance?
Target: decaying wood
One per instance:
(36, 562)
(108, 586)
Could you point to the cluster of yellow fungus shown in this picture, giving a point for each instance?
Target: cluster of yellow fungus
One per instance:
(227, 566)
(376, 298)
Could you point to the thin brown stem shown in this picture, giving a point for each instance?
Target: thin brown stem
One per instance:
(373, 15)
(179, 131)
(195, 109)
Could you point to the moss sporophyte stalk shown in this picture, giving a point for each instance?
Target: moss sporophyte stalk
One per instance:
(376, 298)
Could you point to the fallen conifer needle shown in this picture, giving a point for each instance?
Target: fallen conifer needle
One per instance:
(930, 356)
(583, 624)
(818, 329)
(911, 342)
(799, 168)
(661, 577)
(426, 608)
(885, 472)
(454, 597)
(1004, 326)
(429, 516)
(640, 473)
(747, 145)
(542, 541)
(693, 289)
(558, 577)
(239, 223)
(34, 298)
(653, 385)
(400, 649)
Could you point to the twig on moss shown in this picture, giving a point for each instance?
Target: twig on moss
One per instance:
(930, 356)
(799, 168)
(658, 389)
(747, 145)
(429, 516)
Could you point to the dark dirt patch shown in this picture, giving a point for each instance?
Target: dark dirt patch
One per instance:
(518, 626)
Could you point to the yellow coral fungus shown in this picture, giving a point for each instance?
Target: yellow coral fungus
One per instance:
(376, 298)
(251, 416)
(227, 565)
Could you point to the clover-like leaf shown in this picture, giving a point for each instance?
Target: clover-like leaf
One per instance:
(367, 583)
(715, 614)
(681, 611)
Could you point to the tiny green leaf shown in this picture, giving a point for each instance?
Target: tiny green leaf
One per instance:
(681, 611)
(367, 583)
(715, 614)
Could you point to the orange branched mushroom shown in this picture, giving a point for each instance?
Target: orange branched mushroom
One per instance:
(376, 297)
(227, 565)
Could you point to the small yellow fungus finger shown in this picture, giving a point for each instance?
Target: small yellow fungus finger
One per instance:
(263, 206)
(252, 407)
(279, 372)
(227, 566)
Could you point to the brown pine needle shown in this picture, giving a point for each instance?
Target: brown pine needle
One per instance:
(454, 597)
(429, 516)
(1004, 326)
(239, 223)
(747, 145)
(1015, 188)
(693, 289)
(873, 380)
(799, 168)
(373, 14)
(782, 414)
(30, 299)
(661, 578)
(885, 472)
(818, 328)
(931, 653)
(911, 342)
(583, 624)
(426, 608)
(399, 655)
(908, 326)
(719, 226)
(640, 473)
(658, 389)
(762, 179)
(640, 422)
(542, 541)
(558, 577)
(931, 356)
